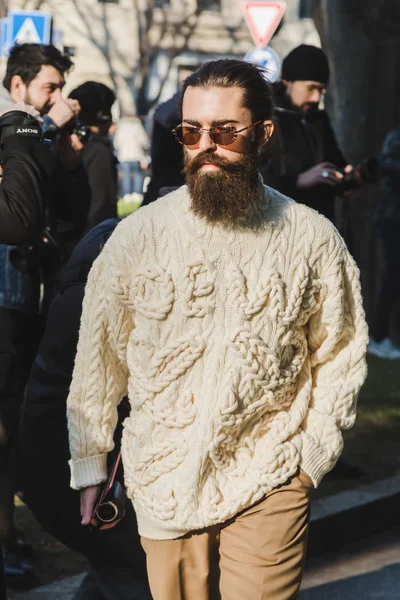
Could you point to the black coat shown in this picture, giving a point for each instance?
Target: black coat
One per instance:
(40, 451)
(299, 142)
(388, 199)
(28, 166)
(166, 152)
(101, 168)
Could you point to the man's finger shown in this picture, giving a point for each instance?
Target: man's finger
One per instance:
(330, 176)
(74, 105)
(109, 525)
(331, 179)
(328, 165)
(88, 500)
(76, 143)
(86, 510)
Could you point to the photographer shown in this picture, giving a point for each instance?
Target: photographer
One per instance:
(36, 75)
(27, 166)
(388, 230)
(96, 100)
(304, 160)
(29, 272)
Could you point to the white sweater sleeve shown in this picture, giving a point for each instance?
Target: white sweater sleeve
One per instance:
(338, 338)
(100, 376)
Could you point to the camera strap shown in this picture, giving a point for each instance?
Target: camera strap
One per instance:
(33, 130)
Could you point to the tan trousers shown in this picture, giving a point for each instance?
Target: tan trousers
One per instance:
(258, 555)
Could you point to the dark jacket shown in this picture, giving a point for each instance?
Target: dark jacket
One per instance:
(39, 181)
(388, 199)
(301, 141)
(166, 152)
(40, 451)
(101, 168)
(28, 166)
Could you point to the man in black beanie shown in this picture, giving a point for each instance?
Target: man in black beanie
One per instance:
(96, 100)
(304, 160)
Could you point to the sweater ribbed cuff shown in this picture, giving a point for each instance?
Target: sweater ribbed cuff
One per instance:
(314, 461)
(88, 471)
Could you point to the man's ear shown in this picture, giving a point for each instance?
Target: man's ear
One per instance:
(266, 131)
(17, 89)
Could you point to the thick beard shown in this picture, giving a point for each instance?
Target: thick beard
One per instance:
(226, 195)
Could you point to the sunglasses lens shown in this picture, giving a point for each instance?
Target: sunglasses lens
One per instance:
(222, 136)
(188, 135)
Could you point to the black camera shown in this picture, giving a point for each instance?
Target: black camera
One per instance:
(112, 506)
(112, 502)
(81, 130)
(365, 172)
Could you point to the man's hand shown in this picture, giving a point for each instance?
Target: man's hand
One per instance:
(89, 497)
(69, 150)
(63, 111)
(352, 193)
(325, 172)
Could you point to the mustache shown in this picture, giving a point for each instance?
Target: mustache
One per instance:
(192, 166)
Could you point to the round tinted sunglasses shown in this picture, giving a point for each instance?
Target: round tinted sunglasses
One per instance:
(221, 136)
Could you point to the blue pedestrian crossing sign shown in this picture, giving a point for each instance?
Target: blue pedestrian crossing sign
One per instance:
(268, 59)
(28, 27)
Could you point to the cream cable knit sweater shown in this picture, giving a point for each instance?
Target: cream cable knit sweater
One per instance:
(242, 353)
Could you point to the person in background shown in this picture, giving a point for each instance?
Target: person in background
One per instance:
(35, 75)
(388, 229)
(27, 167)
(131, 144)
(26, 170)
(96, 101)
(117, 568)
(166, 155)
(304, 160)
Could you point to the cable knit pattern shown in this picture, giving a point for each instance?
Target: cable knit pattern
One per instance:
(241, 350)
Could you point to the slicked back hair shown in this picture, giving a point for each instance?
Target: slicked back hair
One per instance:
(26, 60)
(225, 73)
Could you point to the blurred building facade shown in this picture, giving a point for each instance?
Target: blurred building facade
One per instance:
(116, 41)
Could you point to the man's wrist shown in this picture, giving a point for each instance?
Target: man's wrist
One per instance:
(88, 471)
(49, 128)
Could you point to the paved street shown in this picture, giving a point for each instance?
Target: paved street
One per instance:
(369, 570)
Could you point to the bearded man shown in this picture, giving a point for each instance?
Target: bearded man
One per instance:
(304, 160)
(232, 318)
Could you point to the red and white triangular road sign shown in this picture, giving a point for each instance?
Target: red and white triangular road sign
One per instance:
(262, 18)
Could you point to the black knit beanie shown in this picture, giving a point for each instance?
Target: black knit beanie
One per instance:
(306, 63)
(96, 100)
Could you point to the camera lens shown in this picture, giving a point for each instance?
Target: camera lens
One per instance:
(107, 512)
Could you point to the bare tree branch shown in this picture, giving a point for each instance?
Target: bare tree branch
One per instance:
(3, 8)
(34, 5)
